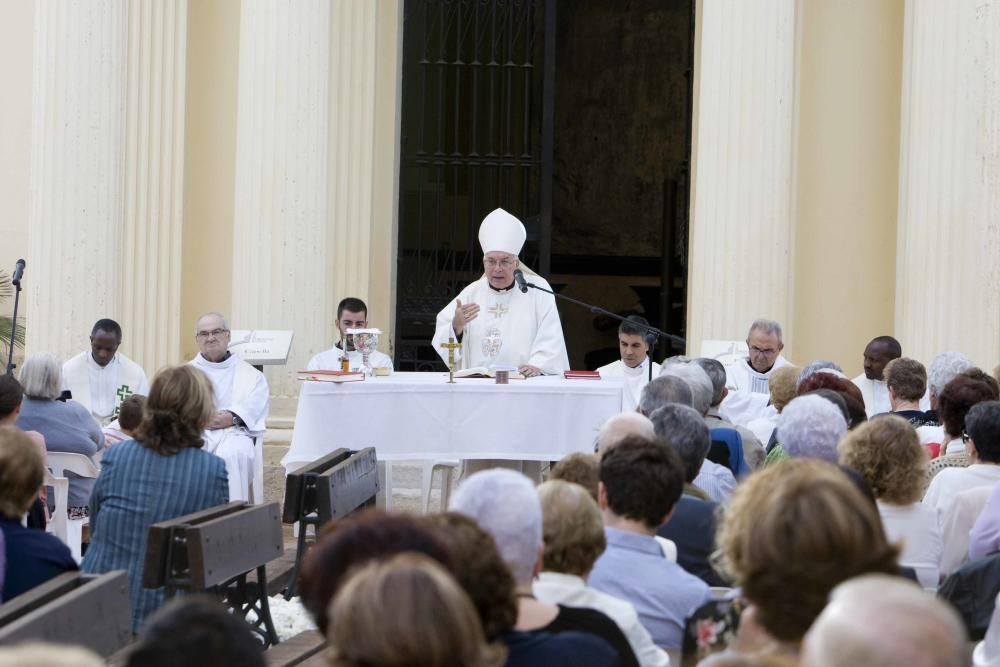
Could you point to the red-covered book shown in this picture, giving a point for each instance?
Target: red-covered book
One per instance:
(581, 375)
(331, 376)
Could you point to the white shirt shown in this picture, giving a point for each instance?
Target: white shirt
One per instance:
(749, 391)
(572, 591)
(330, 360)
(951, 481)
(635, 379)
(957, 517)
(715, 480)
(916, 526)
(101, 389)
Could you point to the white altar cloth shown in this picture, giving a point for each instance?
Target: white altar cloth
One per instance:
(421, 416)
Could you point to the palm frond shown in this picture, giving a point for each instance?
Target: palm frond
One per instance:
(6, 289)
(5, 323)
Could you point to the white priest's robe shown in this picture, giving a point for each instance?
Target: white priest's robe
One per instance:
(330, 360)
(102, 390)
(241, 389)
(876, 395)
(528, 322)
(635, 379)
(749, 393)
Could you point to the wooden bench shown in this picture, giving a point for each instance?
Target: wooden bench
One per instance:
(299, 650)
(87, 610)
(332, 487)
(214, 551)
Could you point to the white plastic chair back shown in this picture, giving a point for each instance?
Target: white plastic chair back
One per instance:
(68, 530)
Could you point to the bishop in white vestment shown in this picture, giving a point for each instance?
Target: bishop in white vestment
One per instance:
(101, 378)
(241, 401)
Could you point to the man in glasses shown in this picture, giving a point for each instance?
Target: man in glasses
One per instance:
(241, 403)
(747, 379)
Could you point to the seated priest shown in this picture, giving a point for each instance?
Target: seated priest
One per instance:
(634, 362)
(352, 313)
(747, 379)
(241, 403)
(497, 324)
(101, 377)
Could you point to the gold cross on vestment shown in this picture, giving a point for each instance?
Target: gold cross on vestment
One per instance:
(451, 346)
(498, 310)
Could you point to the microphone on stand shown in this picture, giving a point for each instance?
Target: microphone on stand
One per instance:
(18, 272)
(519, 279)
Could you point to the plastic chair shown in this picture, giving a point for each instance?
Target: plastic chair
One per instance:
(257, 483)
(447, 468)
(69, 530)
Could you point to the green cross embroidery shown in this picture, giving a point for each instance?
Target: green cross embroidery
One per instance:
(123, 392)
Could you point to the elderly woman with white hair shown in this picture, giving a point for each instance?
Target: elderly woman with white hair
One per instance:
(810, 427)
(66, 426)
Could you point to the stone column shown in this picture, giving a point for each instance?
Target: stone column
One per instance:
(78, 126)
(282, 236)
(154, 181)
(742, 210)
(948, 238)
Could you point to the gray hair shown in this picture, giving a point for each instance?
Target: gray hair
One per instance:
(686, 432)
(716, 372)
(945, 368)
(41, 376)
(698, 381)
(620, 426)
(814, 367)
(769, 327)
(504, 504)
(859, 626)
(225, 323)
(662, 390)
(810, 427)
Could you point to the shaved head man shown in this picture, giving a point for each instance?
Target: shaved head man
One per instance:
(621, 426)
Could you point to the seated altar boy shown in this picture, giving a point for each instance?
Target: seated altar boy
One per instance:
(352, 313)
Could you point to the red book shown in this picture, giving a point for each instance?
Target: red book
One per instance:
(581, 375)
(331, 376)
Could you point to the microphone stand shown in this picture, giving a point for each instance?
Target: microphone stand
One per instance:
(652, 334)
(16, 282)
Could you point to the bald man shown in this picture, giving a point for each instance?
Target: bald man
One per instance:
(621, 426)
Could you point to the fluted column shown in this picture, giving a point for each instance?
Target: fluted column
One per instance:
(78, 125)
(948, 243)
(281, 239)
(154, 181)
(742, 212)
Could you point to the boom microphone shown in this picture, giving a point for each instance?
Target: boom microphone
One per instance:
(519, 279)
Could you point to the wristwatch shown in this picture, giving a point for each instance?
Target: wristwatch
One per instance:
(237, 421)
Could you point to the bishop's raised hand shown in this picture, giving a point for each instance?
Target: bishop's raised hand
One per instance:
(464, 313)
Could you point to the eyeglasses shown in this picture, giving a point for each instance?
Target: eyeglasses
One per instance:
(965, 437)
(491, 263)
(215, 333)
(761, 350)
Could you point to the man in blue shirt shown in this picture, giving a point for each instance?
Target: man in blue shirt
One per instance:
(641, 481)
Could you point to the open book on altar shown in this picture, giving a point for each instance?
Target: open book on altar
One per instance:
(331, 376)
(483, 372)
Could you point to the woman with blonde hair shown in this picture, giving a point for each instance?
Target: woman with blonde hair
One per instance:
(404, 611)
(887, 453)
(161, 475)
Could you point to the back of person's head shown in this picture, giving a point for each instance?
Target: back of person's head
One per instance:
(130, 412)
(11, 394)
(716, 373)
(835, 398)
(881, 621)
(41, 376)
(817, 366)
(982, 424)
(981, 375)
(505, 505)
(642, 480)
(781, 384)
(578, 468)
(853, 398)
(573, 531)
(811, 427)
(686, 433)
(406, 611)
(196, 630)
(887, 453)
(943, 369)
(698, 381)
(662, 390)
(352, 542)
(617, 428)
(37, 654)
(181, 402)
(791, 533)
(479, 569)
(958, 397)
(906, 377)
(21, 472)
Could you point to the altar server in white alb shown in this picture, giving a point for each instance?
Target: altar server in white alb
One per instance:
(879, 352)
(241, 403)
(634, 362)
(101, 378)
(527, 323)
(352, 313)
(747, 379)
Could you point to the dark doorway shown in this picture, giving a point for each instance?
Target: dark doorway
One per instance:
(576, 119)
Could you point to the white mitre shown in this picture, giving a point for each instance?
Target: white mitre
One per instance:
(502, 232)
